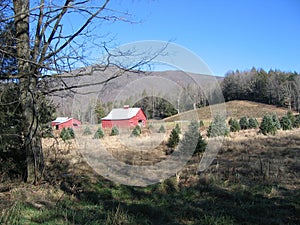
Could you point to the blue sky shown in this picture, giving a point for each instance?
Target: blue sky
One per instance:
(225, 34)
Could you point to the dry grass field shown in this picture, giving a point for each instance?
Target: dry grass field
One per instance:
(254, 179)
(234, 109)
(244, 155)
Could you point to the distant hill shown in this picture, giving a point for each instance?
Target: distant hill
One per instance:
(234, 109)
(128, 84)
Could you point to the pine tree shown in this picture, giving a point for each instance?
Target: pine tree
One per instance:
(99, 133)
(99, 111)
(71, 132)
(173, 139)
(297, 121)
(136, 131)
(244, 124)
(201, 144)
(217, 127)
(234, 125)
(230, 121)
(192, 139)
(64, 134)
(138, 127)
(177, 128)
(114, 131)
(12, 151)
(267, 125)
(286, 123)
(291, 117)
(162, 129)
(87, 131)
(276, 121)
(201, 124)
(253, 124)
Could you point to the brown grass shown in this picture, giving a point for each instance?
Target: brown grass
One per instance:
(146, 149)
(245, 156)
(245, 159)
(234, 109)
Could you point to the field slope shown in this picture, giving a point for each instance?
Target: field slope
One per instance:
(234, 109)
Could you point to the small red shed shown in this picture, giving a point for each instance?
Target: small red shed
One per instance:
(65, 122)
(124, 117)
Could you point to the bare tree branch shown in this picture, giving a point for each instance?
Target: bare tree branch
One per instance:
(69, 40)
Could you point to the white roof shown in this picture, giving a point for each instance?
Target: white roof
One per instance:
(121, 114)
(61, 119)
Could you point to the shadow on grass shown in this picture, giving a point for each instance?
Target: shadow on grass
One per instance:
(199, 204)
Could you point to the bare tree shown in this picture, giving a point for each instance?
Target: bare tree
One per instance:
(289, 90)
(46, 47)
(297, 93)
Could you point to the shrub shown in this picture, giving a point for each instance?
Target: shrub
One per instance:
(276, 121)
(267, 125)
(87, 131)
(99, 133)
(118, 216)
(253, 123)
(173, 139)
(114, 131)
(244, 124)
(168, 186)
(136, 131)
(162, 129)
(286, 123)
(234, 125)
(217, 127)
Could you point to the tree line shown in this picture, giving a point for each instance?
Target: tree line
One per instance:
(274, 87)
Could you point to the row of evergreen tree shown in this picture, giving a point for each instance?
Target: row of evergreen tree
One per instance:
(269, 124)
(68, 133)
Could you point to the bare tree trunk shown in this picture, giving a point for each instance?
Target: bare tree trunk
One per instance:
(31, 130)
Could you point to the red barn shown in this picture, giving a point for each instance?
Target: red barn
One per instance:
(124, 117)
(65, 122)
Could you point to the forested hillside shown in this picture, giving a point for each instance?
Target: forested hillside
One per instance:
(273, 87)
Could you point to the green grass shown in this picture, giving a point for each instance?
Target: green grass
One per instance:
(212, 202)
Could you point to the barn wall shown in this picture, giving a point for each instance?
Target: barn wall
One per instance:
(69, 123)
(66, 124)
(106, 124)
(141, 116)
(132, 122)
(118, 123)
(76, 122)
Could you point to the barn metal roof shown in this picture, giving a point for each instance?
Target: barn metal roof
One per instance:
(61, 119)
(121, 114)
